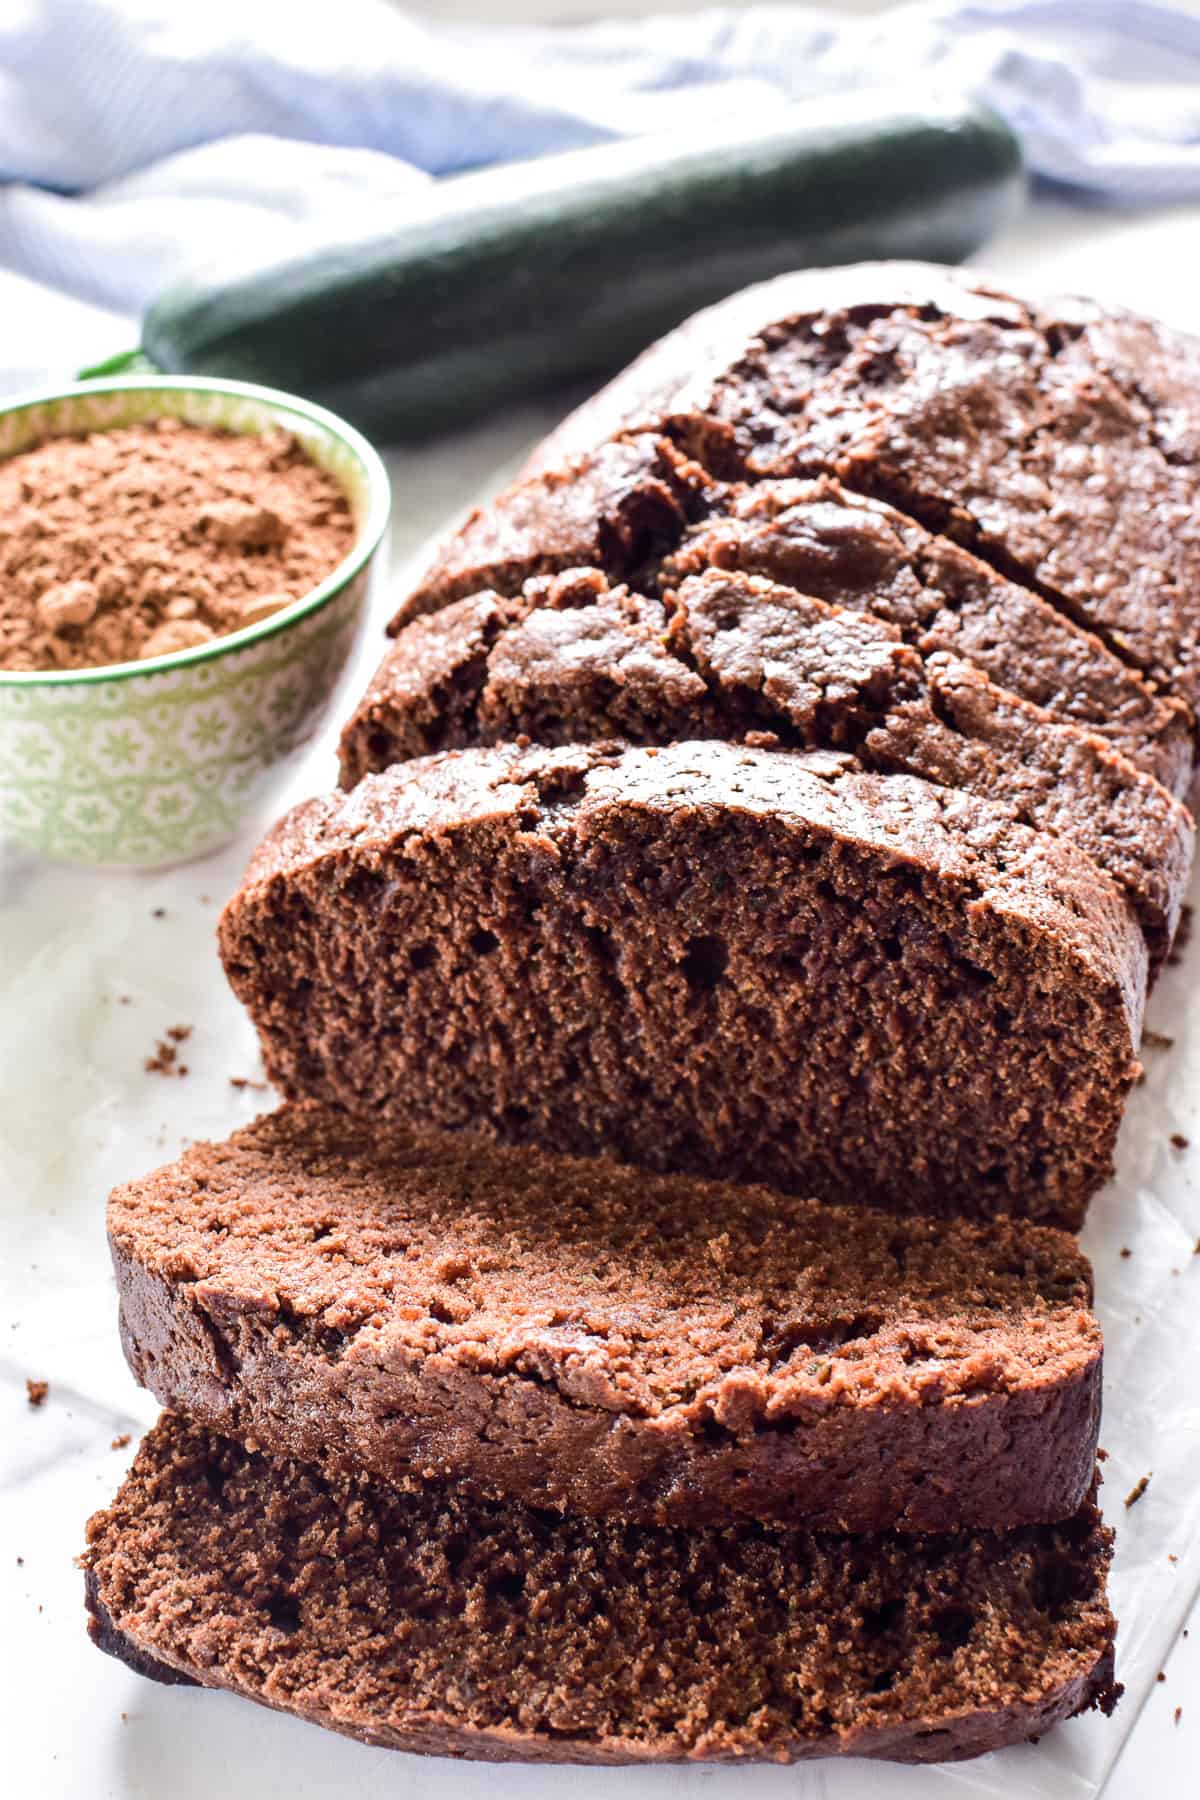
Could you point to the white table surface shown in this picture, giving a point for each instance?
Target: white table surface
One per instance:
(78, 1112)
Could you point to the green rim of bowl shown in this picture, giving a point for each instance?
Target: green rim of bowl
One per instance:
(367, 541)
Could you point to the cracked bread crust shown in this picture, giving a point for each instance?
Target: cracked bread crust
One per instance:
(618, 507)
(673, 377)
(1056, 439)
(729, 655)
(615, 510)
(404, 1619)
(817, 537)
(732, 961)
(579, 1335)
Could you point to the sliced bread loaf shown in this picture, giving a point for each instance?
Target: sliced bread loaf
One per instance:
(726, 960)
(426, 1622)
(580, 1334)
(729, 654)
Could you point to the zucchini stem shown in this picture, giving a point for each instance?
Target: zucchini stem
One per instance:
(126, 362)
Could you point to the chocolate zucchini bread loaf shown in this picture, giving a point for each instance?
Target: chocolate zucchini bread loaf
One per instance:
(1058, 441)
(427, 1622)
(724, 655)
(577, 1334)
(709, 957)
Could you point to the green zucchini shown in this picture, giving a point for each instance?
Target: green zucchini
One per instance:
(511, 280)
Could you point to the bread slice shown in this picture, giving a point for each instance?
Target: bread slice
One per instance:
(1056, 439)
(708, 957)
(426, 1622)
(727, 654)
(581, 1334)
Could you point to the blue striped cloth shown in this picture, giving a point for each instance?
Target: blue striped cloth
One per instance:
(139, 137)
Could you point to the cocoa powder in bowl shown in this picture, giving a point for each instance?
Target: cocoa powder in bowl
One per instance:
(156, 537)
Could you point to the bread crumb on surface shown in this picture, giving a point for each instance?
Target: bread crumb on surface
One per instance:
(165, 1060)
(36, 1391)
(1138, 1489)
(241, 1082)
(1179, 1141)
(122, 1438)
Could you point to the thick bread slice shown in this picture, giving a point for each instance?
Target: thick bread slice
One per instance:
(728, 654)
(575, 1333)
(426, 1622)
(726, 960)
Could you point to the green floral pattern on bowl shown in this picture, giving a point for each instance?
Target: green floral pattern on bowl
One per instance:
(149, 763)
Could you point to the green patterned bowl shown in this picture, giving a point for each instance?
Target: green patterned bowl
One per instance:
(141, 764)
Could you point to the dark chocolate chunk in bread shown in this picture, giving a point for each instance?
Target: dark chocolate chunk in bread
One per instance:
(427, 1622)
(577, 1334)
(731, 961)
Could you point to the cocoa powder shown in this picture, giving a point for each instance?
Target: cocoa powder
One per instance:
(156, 537)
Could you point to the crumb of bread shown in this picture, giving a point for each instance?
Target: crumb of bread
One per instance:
(165, 1059)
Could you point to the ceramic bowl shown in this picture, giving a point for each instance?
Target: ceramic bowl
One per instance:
(142, 764)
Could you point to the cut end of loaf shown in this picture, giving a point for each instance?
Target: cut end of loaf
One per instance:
(724, 960)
